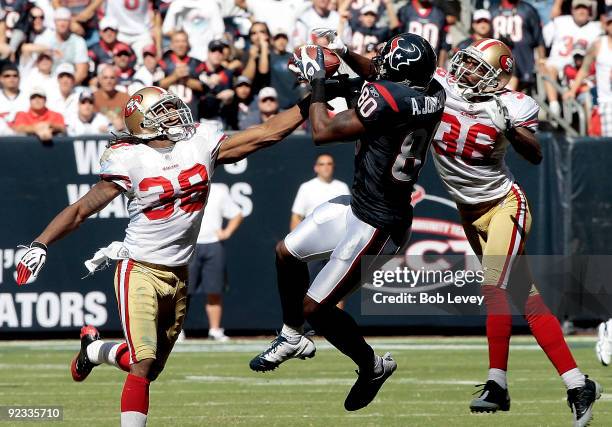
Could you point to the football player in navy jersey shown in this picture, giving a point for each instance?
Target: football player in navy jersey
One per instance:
(519, 22)
(395, 119)
(422, 17)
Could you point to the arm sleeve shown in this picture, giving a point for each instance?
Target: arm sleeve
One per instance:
(523, 110)
(299, 203)
(112, 168)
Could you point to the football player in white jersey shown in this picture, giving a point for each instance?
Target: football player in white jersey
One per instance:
(481, 118)
(163, 166)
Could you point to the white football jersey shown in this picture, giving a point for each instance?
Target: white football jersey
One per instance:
(566, 33)
(468, 149)
(166, 191)
(132, 16)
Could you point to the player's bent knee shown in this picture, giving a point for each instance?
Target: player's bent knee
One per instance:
(282, 253)
(142, 368)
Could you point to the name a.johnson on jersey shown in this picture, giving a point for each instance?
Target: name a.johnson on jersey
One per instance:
(431, 105)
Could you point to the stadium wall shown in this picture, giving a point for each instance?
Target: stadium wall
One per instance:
(570, 199)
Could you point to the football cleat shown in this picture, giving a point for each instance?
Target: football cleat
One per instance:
(367, 385)
(280, 350)
(581, 401)
(81, 366)
(492, 398)
(603, 348)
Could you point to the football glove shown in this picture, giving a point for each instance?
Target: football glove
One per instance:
(307, 68)
(498, 112)
(335, 43)
(31, 263)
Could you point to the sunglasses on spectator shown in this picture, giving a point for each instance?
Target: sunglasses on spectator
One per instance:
(268, 99)
(37, 17)
(10, 76)
(217, 49)
(87, 101)
(123, 53)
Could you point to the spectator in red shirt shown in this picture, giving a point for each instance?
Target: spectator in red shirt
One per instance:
(39, 120)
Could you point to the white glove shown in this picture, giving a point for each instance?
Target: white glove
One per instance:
(498, 113)
(31, 263)
(335, 43)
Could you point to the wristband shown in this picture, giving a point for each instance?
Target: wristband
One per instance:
(318, 90)
(304, 106)
(36, 244)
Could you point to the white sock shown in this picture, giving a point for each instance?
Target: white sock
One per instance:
(103, 352)
(133, 419)
(573, 378)
(292, 335)
(216, 331)
(499, 376)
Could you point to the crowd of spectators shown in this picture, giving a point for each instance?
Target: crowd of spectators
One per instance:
(68, 66)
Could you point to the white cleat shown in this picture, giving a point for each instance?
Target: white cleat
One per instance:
(603, 348)
(280, 350)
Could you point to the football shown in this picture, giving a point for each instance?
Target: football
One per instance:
(332, 60)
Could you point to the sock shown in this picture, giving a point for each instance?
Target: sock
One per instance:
(499, 326)
(134, 401)
(555, 107)
(573, 378)
(340, 329)
(547, 331)
(292, 278)
(499, 377)
(292, 335)
(111, 353)
(378, 365)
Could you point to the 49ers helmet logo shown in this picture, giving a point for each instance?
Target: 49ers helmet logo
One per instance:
(403, 53)
(132, 105)
(507, 63)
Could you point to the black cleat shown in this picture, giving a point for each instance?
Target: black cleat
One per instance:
(81, 366)
(366, 387)
(581, 401)
(492, 398)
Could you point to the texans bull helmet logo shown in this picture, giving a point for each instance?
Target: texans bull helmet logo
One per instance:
(403, 52)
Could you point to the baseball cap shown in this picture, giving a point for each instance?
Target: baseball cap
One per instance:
(121, 47)
(268, 92)
(38, 90)
(481, 14)
(578, 3)
(217, 44)
(280, 32)
(64, 68)
(9, 66)
(242, 80)
(86, 94)
(149, 50)
(62, 14)
(370, 8)
(108, 22)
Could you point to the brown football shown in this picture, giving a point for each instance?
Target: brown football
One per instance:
(332, 61)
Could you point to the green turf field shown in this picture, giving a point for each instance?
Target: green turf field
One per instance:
(210, 384)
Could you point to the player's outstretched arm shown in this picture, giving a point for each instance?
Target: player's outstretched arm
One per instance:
(72, 216)
(363, 66)
(67, 220)
(345, 126)
(526, 144)
(243, 143)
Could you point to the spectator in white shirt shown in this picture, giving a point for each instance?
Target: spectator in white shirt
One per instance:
(202, 21)
(65, 45)
(149, 72)
(85, 121)
(65, 98)
(313, 193)
(207, 270)
(320, 15)
(41, 74)
(12, 99)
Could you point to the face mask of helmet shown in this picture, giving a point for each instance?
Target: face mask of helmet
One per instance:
(169, 117)
(487, 81)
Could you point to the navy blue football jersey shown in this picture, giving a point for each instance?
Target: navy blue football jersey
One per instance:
(363, 36)
(400, 123)
(523, 27)
(431, 25)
